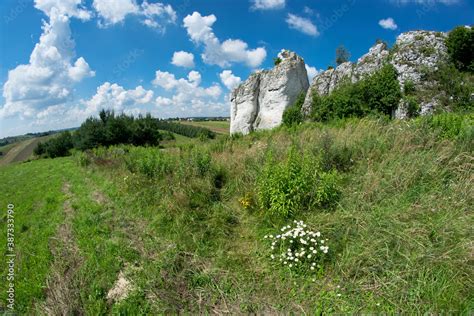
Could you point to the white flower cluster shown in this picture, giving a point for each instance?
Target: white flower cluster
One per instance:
(297, 246)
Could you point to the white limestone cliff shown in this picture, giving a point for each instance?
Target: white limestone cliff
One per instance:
(259, 102)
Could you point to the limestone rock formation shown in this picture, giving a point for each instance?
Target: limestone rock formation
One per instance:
(325, 82)
(414, 55)
(259, 102)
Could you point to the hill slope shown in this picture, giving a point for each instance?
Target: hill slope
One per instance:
(22, 151)
(138, 230)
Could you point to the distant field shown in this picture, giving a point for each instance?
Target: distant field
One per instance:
(179, 140)
(221, 127)
(4, 149)
(20, 151)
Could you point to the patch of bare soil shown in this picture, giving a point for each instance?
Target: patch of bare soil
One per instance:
(121, 289)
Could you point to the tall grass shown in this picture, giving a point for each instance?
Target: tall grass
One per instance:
(400, 231)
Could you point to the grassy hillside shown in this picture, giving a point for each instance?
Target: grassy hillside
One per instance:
(20, 151)
(131, 230)
(221, 127)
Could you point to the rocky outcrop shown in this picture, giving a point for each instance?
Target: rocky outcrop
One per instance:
(259, 102)
(414, 55)
(325, 82)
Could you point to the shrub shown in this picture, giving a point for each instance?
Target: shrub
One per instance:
(296, 184)
(150, 162)
(378, 93)
(409, 87)
(381, 91)
(412, 106)
(298, 248)
(342, 55)
(146, 132)
(456, 87)
(58, 146)
(460, 44)
(450, 125)
(277, 61)
(292, 115)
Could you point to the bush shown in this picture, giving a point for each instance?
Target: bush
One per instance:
(378, 93)
(460, 44)
(342, 55)
(59, 146)
(294, 185)
(292, 115)
(146, 132)
(457, 87)
(150, 162)
(412, 106)
(409, 88)
(277, 61)
(450, 125)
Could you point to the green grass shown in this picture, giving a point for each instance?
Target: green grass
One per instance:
(400, 236)
(221, 127)
(35, 190)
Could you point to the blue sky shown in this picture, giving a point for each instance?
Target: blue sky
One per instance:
(64, 60)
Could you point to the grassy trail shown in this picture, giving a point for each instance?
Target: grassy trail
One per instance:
(68, 244)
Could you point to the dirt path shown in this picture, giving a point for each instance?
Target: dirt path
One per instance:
(63, 286)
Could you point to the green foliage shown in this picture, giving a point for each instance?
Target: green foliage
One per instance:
(151, 162)
(290, 187)
(59, 146)
(342, 55)
(409, 87)
(292, 115)
(110, 129)
(412, 106)
(456, 87)
(460, 44)
(378, 93)
(185, 245)
(450, 125)
(277, 61)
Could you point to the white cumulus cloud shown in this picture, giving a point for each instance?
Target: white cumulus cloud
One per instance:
(154, 15)
(229, 79)
(267, 4)
(71, 8)
(113, 96)
(230, 51)
(312, 72)
(388, 24)
(183, 59)
(187, 93)
(301, 24)
(48, 79)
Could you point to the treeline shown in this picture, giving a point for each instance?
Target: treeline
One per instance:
(111, 129)
(186, 130)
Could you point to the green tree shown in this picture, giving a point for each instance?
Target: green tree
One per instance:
(342, 55)
(460, 44)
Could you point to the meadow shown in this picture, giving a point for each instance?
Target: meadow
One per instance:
(142, 230)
